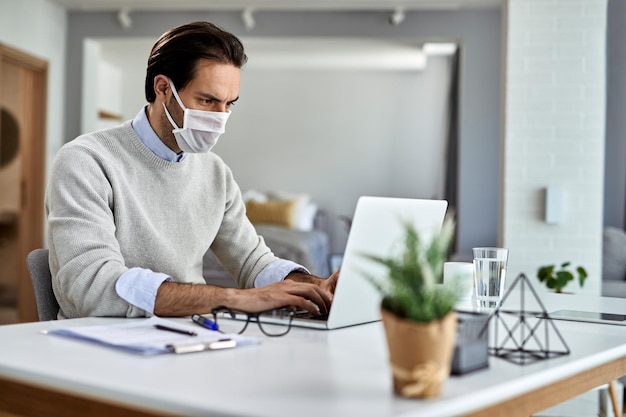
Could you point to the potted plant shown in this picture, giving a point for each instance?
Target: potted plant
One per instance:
(557, 279)
(418, 315)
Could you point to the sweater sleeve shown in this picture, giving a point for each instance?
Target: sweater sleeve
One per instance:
(242, 252)
(85, 256)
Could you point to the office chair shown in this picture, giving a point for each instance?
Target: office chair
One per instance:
(39, 269)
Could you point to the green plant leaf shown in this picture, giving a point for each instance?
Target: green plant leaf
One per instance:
(545, 272)
(409, 291)
(562, 278)
(558, 279)
(582, 275)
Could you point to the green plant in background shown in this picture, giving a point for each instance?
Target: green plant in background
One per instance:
(410, 292)
(557, 279)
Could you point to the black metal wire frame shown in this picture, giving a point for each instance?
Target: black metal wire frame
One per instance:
(520, 353)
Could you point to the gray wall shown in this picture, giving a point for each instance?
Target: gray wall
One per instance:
(478, 32)
(615, 151)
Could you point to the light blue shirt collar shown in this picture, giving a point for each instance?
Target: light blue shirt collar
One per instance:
(142, 128)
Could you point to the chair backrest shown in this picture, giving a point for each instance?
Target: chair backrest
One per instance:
(39, 269)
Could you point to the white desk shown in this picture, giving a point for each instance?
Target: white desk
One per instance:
(306, 373)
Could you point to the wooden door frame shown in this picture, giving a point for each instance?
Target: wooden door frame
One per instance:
(32, 117)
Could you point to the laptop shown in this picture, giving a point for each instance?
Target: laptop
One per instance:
(377, 229)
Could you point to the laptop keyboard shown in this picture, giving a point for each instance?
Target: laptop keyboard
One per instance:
(303, 314)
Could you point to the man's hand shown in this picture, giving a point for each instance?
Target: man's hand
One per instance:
(327, 285)
(330, 283)
(304, 295)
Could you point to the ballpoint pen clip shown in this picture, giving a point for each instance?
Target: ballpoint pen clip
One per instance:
(172, 329)
(204, 322)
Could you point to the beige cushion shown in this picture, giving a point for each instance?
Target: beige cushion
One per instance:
(280, 213)
(304, 211)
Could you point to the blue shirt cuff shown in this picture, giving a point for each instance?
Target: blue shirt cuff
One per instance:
(139, 287)
(277, 271)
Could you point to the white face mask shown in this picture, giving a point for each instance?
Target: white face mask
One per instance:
(201, 129)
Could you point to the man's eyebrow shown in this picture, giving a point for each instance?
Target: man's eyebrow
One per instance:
(212, 97)
(207, 96)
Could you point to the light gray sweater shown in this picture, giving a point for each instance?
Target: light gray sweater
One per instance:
(113, 205)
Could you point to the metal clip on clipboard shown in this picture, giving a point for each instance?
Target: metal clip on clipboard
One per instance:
(200, 347)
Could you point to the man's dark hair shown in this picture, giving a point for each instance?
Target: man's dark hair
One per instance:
(176, 53)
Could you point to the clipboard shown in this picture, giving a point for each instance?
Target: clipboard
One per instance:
(146, 336)
(199, 347)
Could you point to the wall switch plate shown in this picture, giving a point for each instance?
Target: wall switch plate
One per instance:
(555, 204)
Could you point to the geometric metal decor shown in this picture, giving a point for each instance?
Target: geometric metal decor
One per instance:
(524, 336)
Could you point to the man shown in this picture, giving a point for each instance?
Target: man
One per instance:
(133, 209)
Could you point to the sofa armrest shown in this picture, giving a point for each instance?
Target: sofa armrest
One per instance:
(309, 249)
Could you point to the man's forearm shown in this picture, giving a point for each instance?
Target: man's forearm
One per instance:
(303, 277)
(175, 299)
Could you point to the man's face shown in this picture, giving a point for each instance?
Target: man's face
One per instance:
(215, 87)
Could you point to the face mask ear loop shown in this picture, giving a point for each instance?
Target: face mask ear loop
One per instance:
(172, 122)
(180, 102)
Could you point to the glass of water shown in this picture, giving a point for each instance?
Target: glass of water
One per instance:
(489, 275)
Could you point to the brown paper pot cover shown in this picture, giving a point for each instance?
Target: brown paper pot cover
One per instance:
(420, 353)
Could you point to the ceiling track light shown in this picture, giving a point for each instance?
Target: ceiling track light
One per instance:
(397, 16)
(247, 17)
(123, 18)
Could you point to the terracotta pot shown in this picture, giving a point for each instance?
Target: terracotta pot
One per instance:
(420, 353)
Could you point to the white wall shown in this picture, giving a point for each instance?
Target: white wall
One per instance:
(92, 78)
(554, 134)
(129, 56)
(345, 134)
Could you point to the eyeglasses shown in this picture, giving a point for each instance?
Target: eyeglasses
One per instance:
(240, 320)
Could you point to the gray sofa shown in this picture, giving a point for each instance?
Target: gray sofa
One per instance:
(614, 262)
(309, 249)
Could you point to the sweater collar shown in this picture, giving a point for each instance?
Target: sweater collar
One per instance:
(142, 128)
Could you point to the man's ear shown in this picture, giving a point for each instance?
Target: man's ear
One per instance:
(161, 86)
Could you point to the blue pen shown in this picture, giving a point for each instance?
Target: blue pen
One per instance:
(204, 322)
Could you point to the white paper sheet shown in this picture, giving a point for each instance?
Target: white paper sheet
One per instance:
(141, 335)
